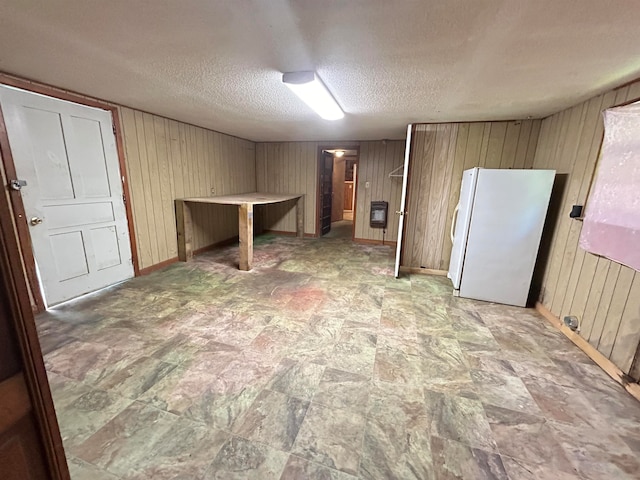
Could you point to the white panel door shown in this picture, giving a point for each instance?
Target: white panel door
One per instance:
(73, 198)
(460, 225)
(403, 201)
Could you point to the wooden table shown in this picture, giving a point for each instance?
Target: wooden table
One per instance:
(245, 203)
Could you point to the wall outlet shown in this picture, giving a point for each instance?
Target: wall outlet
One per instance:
(213, 191)
(571, 322)
(367, 184)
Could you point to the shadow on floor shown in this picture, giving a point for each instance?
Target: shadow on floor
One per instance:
(340, 229)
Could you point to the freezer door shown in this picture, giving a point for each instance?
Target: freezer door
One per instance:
(460, 225)
(509, 211)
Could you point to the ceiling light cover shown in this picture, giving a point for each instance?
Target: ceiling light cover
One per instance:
(338, 153)
(311, 90)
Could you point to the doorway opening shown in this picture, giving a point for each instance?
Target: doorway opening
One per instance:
(337, 178)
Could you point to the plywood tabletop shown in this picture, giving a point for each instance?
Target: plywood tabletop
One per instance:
(254, 198)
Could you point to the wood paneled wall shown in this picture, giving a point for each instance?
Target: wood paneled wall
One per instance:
(604, 295)
(439, 155)
(166, 160)
(377, 160)
(292, 167)
(287, 167)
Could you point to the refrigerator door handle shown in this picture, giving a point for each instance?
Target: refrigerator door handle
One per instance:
(454, 220)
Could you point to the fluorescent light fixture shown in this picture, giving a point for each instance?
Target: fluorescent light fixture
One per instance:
(338, 153)
(311, 90)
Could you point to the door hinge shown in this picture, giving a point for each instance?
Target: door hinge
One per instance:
(113, 127)
(124, 199)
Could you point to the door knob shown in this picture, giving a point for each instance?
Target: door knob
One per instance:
(35, 221)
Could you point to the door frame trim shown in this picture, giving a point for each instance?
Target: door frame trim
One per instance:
(24, 236)
(324, 146)
(22, 317)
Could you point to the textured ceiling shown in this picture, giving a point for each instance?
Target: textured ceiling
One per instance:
(218, 63)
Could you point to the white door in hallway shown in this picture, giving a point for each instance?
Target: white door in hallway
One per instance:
(73, 196)
(403, 201)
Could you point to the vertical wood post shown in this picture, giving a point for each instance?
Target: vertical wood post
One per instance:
(300, 217)
(184, 226)
(245, 223)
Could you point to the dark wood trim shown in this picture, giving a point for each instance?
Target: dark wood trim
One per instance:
(16, 199)
(368, 241)
(158, 266)
(354, 207)
(24, 323)
(627, 102)
(51, 91)
(626, 84)
(24, 237)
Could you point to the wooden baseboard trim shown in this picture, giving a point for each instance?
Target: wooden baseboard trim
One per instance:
(157, 266)
(286, 234)
(603, 362)
(424, 271)
(368, 241)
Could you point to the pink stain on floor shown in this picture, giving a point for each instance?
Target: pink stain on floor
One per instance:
(305, 299)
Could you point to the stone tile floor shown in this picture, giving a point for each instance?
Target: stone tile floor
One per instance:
(318, 364)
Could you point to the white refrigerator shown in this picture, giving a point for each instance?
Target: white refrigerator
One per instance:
(496, 233)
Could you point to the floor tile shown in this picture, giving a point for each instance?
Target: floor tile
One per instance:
(119, 446)
(395, 450)
(520, 470)
(81, 470)
(596, 453)
(300, 469)
(331, 437)
(274, 418)
(453, 460)
(340, 389)
(401, 404)
(296, 379)
(528, 438)
(460, 419)
(186, 450)
(134, 379)
(563, 404)
(503, 390)
(241, 459)
(91, 411)
(355, 356)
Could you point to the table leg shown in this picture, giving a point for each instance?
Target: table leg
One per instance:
(300, 217)
(245, 223)
(184, 226)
